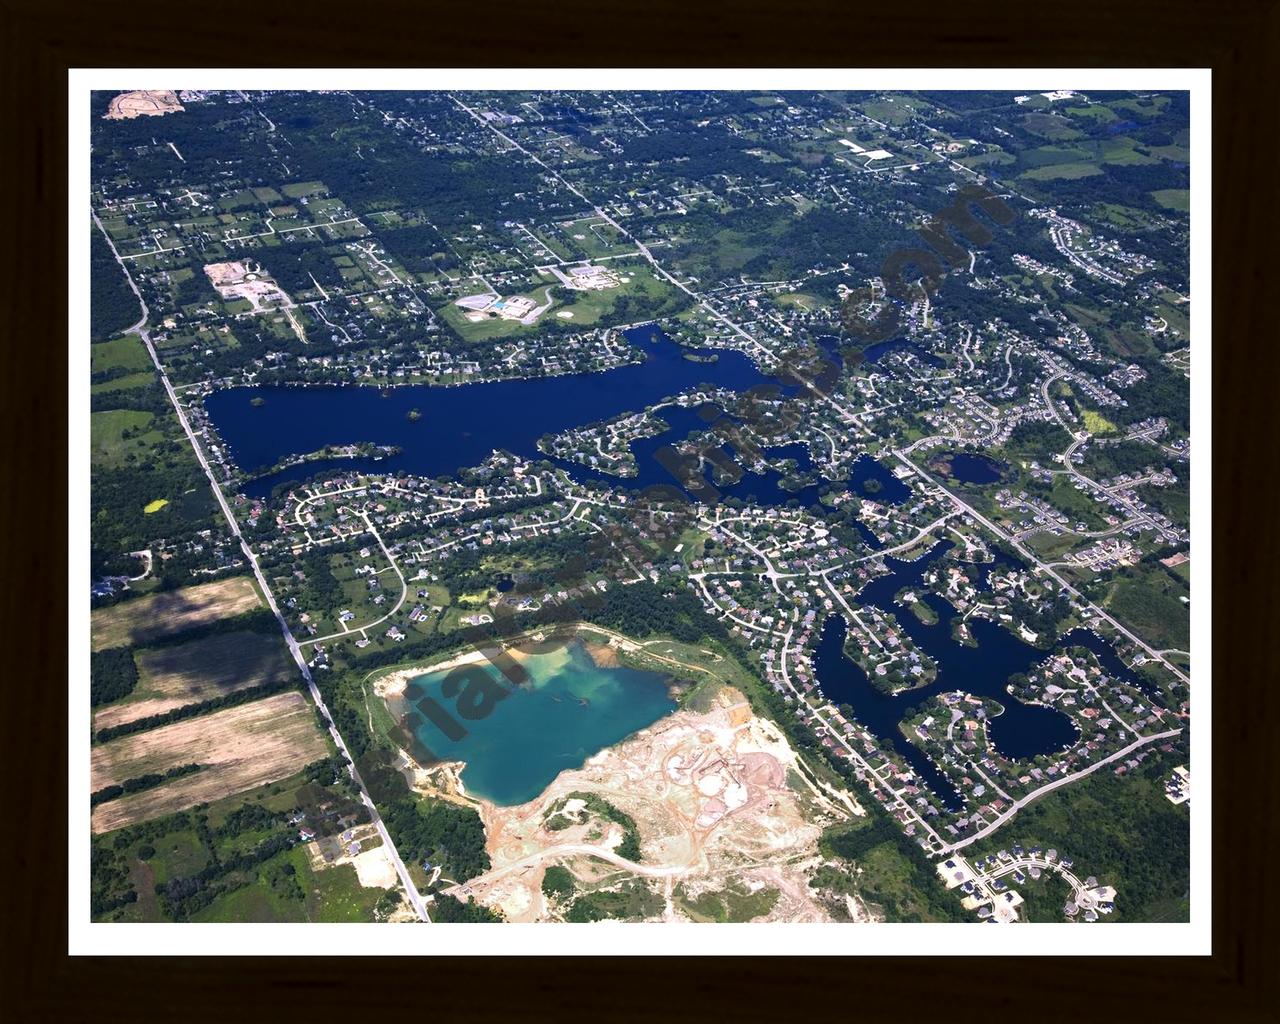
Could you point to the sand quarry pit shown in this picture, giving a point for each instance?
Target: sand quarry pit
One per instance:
(717, 800)
(143, 103)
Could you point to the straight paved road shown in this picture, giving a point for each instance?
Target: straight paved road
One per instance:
(415, 897)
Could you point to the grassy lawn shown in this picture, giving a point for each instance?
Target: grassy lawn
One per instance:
(304, 188)
(1145, 107)
(597, 237)
(1093, 112)
(125, 383)
(588, 308)
(1050, 547)
(995, 157)
(896, 110)
(492, 327)
(1077, 505)
(733, 904)
(704, 662)
(1173, 501)
(628, 901)
(1122, 151)
(252, 903)
(1069, 171)
(1050, 156)
(116, 434)
(1096, 423)
(332, 895)
(1148, 602)
(1051, 127)
(802, 301)
(127, 353)
(1173, 198)
(178, 854)
(1126, 217)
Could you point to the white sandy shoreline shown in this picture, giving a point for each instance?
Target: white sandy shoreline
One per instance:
(393, 683)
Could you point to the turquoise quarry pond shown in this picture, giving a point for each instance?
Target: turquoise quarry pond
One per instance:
(569, 709)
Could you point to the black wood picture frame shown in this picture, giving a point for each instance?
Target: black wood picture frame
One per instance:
(1236, 38)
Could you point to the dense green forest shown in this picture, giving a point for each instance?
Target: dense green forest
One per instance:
(437, 832)
(293, 264)
(1124, 832)
(421, 249)
(112, 305)
(446, 909)
(453, 189)
(892, 871)
(112, 675)
(1036, 437)
(431, 831)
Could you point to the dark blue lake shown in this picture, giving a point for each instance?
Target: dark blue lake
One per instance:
(1021, 732)
(461, 426)
(971, 468)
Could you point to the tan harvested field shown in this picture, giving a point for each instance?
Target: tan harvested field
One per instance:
(149, 102)
(172, 677)
(157, 615)
(241, 747)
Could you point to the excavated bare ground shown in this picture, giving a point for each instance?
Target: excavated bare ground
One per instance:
(718, 802)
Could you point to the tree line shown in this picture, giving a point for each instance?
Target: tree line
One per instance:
(192, 710)
(140, 783)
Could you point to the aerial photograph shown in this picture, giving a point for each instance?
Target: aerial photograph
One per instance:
(650, 506)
